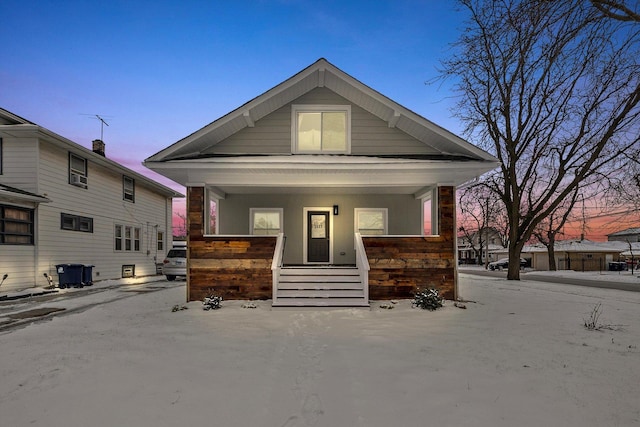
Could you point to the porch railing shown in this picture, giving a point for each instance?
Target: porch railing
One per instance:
(362, 263)
(276, 265)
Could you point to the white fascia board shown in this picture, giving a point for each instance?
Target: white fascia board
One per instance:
(350, 172)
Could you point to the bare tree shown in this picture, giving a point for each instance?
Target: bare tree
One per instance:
(549, 228)
(180, 231)
(481, 215)
(552, 89)
(618, 9)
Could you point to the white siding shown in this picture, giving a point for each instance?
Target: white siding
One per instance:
(103, 202)
(19, 163)
(18, 261)
(272, 134)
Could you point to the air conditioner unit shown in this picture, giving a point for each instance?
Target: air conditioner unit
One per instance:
(79, 180)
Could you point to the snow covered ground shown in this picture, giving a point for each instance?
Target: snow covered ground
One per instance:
(518, 355)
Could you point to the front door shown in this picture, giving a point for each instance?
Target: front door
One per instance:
(318, 236)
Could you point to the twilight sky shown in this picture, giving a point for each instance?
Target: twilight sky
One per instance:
(159, 70)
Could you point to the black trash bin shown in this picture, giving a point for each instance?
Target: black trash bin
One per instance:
(87, 275)
(69, 275)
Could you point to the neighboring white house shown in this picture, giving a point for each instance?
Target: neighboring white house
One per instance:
(62, 203)
(628, 235)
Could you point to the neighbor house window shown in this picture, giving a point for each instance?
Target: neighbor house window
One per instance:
(127, 238)
(128, 189)
(76, 223)
(266, 221)
(371, 221)
(16, 225)
(77, 171)
(160, 240)
(321, 128)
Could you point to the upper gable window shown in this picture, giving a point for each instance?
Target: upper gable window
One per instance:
(321, 129)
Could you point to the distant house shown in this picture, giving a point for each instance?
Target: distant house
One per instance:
(469, 250)
(317, 193)
(628, 235)
(578, 255)
(62, 203)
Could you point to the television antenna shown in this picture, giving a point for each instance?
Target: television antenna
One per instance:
(103, 122)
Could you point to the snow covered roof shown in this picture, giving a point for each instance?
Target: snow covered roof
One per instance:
(628, 231)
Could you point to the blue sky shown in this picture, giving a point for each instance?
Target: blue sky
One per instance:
(159, 70)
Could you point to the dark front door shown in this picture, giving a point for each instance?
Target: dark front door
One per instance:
(317, 236)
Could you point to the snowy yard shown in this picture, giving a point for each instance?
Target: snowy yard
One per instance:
(518, 355)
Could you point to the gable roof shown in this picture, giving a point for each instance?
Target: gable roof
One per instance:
(627, 232)
(323, 74)
(16, 126)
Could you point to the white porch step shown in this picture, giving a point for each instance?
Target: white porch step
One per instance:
(333, 302)
(320, 287)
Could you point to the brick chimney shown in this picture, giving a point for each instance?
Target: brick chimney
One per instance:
(98, 147)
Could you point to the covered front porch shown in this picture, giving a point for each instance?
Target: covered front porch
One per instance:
(384, 266)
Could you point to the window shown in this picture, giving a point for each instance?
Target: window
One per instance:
(76, 223)
(371, 221)
(321, 128)
(0, 156)
(136, 239)
(266, 221)
(16, 225)
(118, 238)
(77, 171)
(127, 238)
(211, 212)
(128, 189)
(430, 213)
(160, 240)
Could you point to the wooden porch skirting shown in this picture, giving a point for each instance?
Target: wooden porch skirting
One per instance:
(240, 267)
(231, 267)
(402, 265)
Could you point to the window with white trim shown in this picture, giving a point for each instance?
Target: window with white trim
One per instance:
(77, 171)
(211, 213)
(160, 240)
(430, 214)
(127, 238)
(128, 189)
(321, 129)
(266, 221)
(371, 221)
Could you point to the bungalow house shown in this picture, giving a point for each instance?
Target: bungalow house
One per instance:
(61, 203)
(321, 191)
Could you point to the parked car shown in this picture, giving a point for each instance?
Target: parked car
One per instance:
(175, 264)
(504, 263)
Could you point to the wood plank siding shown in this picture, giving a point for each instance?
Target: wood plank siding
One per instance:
(401, 265)
(237, 267)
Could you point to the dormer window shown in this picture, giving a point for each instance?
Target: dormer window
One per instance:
(322, 129)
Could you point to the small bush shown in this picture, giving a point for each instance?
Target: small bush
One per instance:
(428, 299)
(212, 302)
